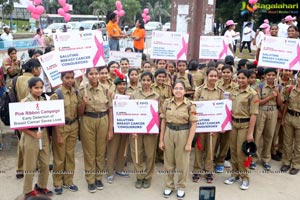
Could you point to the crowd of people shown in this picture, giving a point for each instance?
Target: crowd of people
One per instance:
(265, 110)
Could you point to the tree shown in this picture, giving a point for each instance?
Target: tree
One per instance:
(99, 8)
(157, 10)
(7, 7)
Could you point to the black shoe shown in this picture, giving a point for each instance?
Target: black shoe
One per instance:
(294, 171)
(275, 157)
(99, 185)
(285, 168)
(196, 178)
(92, 188)
(278, 153)
(43, 191)
(267, 166)
(50, 167)
(19, 175)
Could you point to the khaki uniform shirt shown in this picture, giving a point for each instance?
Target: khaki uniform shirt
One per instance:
(111, 87)
(202, 93)
(244, 103)
(227, 88)
(30, 98)
(138, 94)
(293, 98)
(265, 92)
(22, 88)
(131, 89)
(98, 98)
(186, 81)
(198, 77)
(164, 91)
(178, 114)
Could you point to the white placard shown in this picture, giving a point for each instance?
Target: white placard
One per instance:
(208, 24)
(79, 50)
(213, 47)
(213, 116)
(136, 116)
(282, 53)
(135, 59)
(183, 9)
(121, 97)
(34, 114)
(169, 45)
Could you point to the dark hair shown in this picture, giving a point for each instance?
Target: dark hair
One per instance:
(181, 61)
(160, 71)
(124, 59)
(31, 64)
(226, 66)
(224, 30)
(245, 72)
(157, 60)
(131, 70)
(260, 71)
(147, 74)
(294, 27)
(211, 69)
(129, 48)
(147, 62)
(144, 57)
(38, 51)
(48, 49)
(38, 30)
(81, 28)
(229, 60)
(112, 16)
(210, 64)
(11, 49)
(274, 25)
(31, 52)
(173, 63)
(142, 23)
(252, 71)
(193, 65)
(179, 81)
(32, 82)
(113, 62)
(103, 67)
(62, 74)
(241, 63)
(87, 70)
(250, 65)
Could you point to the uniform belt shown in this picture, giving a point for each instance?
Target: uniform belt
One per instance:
(293, 113)
(178, 127)
(240, 120)
(95, 114)
(70, 121)
(268, 108)
(35, 129)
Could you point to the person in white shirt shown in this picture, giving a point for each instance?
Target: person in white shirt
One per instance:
(283, 27)
(7, 37)
(259, 38)
(247, 37)
(230, 25)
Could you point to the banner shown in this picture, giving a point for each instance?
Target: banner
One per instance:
(34, 114)
(136, 116)
(282, 53)
(213, 116)
(121, 97)
(213, 47)
(169, 45)
(79, 50)
(135, 59)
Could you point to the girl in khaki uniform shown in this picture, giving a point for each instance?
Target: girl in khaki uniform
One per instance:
(146, 143)
(245, 104)
(133, 76)
(178, 126)
(208, 91)
(291, 125)
(103, 79)
(184, 76)
(95, 127)
(116, 147)
(30, 148)
(65, 137)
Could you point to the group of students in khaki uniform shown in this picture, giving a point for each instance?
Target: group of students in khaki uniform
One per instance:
(253, 112)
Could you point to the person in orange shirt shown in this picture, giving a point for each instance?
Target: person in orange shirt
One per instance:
(114, 33)
(138, 36)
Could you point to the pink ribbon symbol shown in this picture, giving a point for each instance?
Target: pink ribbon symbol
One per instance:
(154, 119)
(227, 119)
(297, 59)
(224, 51)
(99, 53)
(183, 50)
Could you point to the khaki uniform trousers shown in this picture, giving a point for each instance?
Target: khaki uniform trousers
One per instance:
(223, 144)
(20, 157)
(205, 153)
(93, 135)
(64, 155)
(291, 142)
(264, 132)
(146, 145)
(176, 159)
(32, 155)
(238, 135)
(277, 144)
(115, 153)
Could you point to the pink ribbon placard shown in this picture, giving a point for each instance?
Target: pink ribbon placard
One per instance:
(100, 51)
(184, 49)
(154, 120)
(228, 118)
(296, 59)
(224, 51)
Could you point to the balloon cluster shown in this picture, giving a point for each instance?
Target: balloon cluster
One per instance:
(252, 3)
(145, 15)
(248, 8)
(36, 9)
(64, 10)
(120, 12)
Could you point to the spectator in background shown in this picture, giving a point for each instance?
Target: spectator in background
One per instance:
(114, 33)
(247, 32)
(230, 26)
(39, 37)
(49, 38)
(284, 27)
(7, 37)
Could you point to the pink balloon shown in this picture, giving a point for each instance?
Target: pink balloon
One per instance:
(145, 21)
(30, 8)
(34, 16)
(119, 7)
(118, 3)
(37, 2)
(61, 12)
(39, 10)
(148, 17)
(255, 8)
(121, 13)
(146, 11)
(252, 2)
(115, 11)
(144, 15)
(67, 17)
(62, 2)
(66, 8)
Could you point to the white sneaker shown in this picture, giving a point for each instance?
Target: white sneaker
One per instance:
(180, 194)
(227, 164)
(167, 193)
(110, 179)
(244, 185)
(231, 180)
